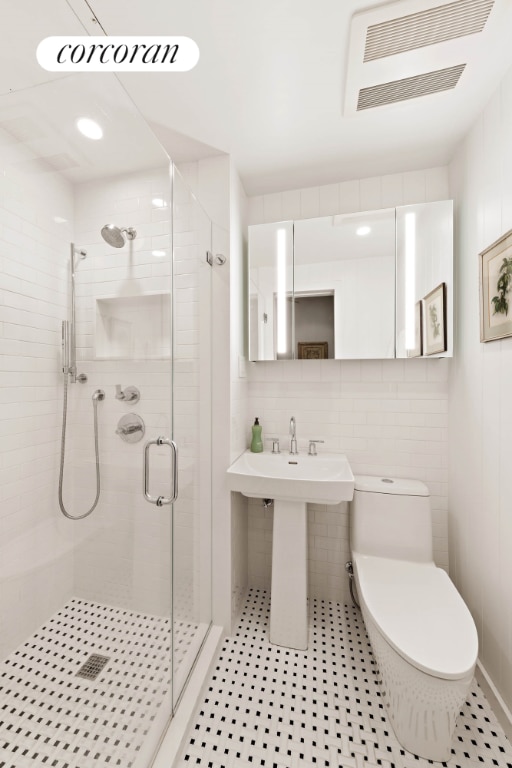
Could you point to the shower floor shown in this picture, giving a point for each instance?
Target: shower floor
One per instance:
(280, 708)
(51, 717)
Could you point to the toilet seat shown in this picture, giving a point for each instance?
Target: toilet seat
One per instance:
(420, 613)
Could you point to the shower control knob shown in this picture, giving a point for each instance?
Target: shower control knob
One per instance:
(128, 395)
(131, 428)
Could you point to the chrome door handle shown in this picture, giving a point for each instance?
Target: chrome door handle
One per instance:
(161, 500)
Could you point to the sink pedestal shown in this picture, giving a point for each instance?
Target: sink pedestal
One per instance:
(288, 603)
(292, 481)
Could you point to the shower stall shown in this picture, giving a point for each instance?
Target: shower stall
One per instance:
(105, 321)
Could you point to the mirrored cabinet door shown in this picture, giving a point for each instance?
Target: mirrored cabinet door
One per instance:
(424, 280)
(347, 260)
(368, 285)
(271, 328)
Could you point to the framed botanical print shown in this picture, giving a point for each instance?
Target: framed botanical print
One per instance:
(495, 287)
(434, 321)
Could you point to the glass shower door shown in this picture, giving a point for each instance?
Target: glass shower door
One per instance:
(192, 431)
(123, 550)
(86, 601)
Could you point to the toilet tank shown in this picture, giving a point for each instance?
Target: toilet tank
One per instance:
(391, 517)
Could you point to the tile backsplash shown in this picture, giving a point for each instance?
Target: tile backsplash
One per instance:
(389, 418)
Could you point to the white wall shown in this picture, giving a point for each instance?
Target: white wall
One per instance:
(36, 574)
(389, 417)
(480, 400)
(239, 384)
(218, 189)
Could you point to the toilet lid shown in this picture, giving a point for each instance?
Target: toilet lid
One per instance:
(420, 613)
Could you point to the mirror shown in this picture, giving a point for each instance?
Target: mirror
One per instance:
(271, 291)
(351, 259)
(424, 261)
(352, 286)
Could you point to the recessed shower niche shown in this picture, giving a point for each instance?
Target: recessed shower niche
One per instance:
(133, 327)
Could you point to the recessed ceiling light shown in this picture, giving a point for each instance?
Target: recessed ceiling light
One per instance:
(158, 202)
(362, 231)
(89, 128)
(158, 253)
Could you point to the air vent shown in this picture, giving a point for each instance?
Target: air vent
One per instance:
(434, 25)
(409, 87)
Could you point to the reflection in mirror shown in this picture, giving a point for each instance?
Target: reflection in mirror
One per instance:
(424, 260)
(352, 286)
(314, 325)
(351, 258)
(271, 332)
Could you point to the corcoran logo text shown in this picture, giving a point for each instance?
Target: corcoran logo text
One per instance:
(117, 54)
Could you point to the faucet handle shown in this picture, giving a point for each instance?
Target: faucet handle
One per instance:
(312, 447)
(275, 444)
(129, 394)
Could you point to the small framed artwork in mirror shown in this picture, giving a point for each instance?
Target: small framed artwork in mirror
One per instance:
(418, 332)
(434, 320)
(313, 350)
(495, 286)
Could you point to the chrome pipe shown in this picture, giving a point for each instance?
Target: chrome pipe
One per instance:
(72, 328)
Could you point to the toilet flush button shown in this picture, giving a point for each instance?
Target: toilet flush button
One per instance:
(387, 480)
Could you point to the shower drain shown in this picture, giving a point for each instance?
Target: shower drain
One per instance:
(93, 666)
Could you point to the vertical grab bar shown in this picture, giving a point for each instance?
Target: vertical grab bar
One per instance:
(161, 500)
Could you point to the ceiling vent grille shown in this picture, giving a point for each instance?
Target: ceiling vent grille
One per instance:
(409, 87)
(417, 30)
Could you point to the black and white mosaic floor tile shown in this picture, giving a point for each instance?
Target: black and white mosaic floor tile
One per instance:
(51, 717)
(280, 708)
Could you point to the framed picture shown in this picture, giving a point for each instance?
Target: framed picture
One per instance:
(313, 350)
(495, 286)
(434, 321)
(418, 332)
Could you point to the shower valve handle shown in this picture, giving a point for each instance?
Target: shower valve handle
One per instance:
(128, 395)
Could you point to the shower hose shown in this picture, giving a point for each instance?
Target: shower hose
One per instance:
(98, 395)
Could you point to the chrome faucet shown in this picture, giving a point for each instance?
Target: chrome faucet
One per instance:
(293, 437)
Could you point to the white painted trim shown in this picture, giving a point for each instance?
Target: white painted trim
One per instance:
(174, 737)
(498, 706)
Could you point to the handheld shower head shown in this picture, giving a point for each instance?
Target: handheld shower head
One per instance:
(117, 236)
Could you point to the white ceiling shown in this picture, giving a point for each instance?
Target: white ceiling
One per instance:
(269, 86)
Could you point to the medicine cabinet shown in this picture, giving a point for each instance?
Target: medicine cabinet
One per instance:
(369, 285)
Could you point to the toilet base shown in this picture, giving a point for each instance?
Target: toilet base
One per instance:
(422, 709)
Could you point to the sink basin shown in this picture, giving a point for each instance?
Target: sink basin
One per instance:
(323, 479)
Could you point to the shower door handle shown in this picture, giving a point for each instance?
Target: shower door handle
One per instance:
(161, 500)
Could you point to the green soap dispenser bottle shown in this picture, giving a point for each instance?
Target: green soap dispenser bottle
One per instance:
(257, 442)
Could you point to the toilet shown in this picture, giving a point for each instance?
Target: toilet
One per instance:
(421, 632)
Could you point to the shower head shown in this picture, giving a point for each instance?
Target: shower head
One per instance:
(117, 236)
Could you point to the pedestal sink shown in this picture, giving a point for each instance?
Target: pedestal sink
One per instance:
(292, 481)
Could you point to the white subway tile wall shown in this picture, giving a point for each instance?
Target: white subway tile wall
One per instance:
(123, 556)
(217, 186)
(480, 402)
(388, 416)
(128, 541)
(36, 214)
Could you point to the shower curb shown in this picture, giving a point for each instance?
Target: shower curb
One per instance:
(174, 737)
